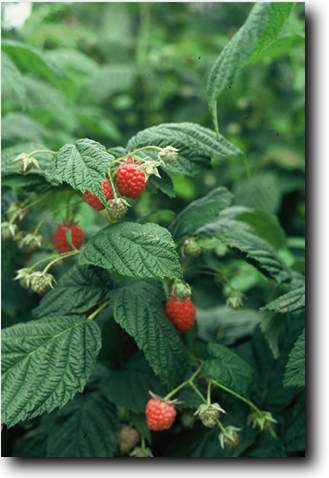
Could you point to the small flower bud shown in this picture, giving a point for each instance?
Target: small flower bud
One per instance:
(16, 213)
(41, 281)
(230, 437)
(26, 162)
(181, 289)
(24, 277)
(142, 452)
(8, 230)
(128, 438)
(116, 209)
(209, 414)
(263, 420)
(30, 242)
(235, 300)
(168, 154)
(191, 247)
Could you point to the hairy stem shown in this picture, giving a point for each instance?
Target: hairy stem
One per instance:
(237, 395)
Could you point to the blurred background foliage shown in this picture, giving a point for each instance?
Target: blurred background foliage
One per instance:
(108, 70)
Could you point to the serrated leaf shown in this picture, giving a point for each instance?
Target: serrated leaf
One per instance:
(136, 377)
(258, 252)
(226, 325)
(133, 250)
(200, 212)
(292, 301)
(196, 144)
(78, 290)
(83, 165)
(260, 191)
(228, 368)
(295, 370)
(85, 428)
(262, 26)
(45, 363)
(138, 308)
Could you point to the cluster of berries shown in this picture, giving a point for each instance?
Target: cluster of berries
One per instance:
(130, 181)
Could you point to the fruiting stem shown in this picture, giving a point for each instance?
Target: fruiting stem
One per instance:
(98, 310)
(237, 395)
(112, 184)
(197, 391)
(221, 426)
(27, 207)
(39, 151)
(209, 393)
(189, 381)
(59, 258)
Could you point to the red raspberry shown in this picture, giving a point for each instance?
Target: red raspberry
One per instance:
(130, 180)
(67, 234)
(181, 312)
(93, 201)
(107, 189)
(160, 415)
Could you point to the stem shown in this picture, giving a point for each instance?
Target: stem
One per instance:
(59, 258)
(183, 384)
(221, 426)
(98, 310)
(209, 392)
(112, 184)
(36, 230)
(197, 391)
(39, 151)
(237, 395)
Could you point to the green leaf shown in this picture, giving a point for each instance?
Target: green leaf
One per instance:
(200, 212)
(20, 127)
(261, 28)
(228, 368)
(45, 363)
(31, 60)
(260, 191)
(280, 47)
(85, 428)
(295, 370)
(226, 325)
(267, 447)
(109, 80)
(133, 250)
(83, 165)
(129, 386)
(258, 252)
(196, 144)
(78, 290)
(295, 427)
(13, 87)
(292, 301)
(138, 308)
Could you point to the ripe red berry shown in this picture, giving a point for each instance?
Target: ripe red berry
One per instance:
(66, 235)
(181, 312)
(93, 201)
(130, 181)
(107, 189)
(160, 415)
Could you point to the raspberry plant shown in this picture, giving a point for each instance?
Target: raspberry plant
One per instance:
(118, 349)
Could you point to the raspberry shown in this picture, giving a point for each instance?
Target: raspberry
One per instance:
(130, 180)
(107, 189)
(67, 235)
(93, 201)
(181, 312)
(116, 209)
(128, 438)
(160, 415)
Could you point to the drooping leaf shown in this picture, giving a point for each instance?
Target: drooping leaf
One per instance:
(260, 191)
(83, 165)
(258, 252)
(136, 377)
(78, 290)
(13, 89)
(295, 369)
(292, 301)
(45, 363)
(200, 212)
(196, 144)
(228, 368)
(84, 428)
(262, 26)
(133, 250)
(138, 308)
